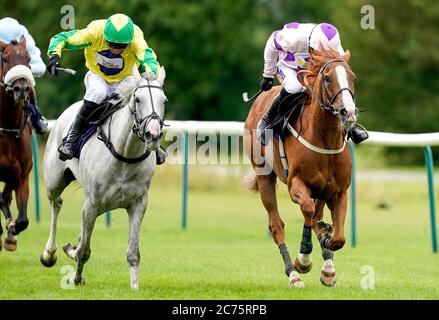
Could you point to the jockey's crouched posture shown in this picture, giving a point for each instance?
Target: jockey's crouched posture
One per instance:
(112, 48)
(12, 30)
(288, 51)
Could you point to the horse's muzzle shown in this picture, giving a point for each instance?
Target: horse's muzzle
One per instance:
(348, 118)
(153, 138)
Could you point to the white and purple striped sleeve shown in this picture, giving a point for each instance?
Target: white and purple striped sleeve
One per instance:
(271, 55)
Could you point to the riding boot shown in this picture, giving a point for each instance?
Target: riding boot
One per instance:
(39, 122)
(358, 134)
(79, 125)
(161, 155)
(269, 116)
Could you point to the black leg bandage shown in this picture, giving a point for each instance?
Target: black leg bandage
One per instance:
(289, 267)
(306, 244)
(327, 254)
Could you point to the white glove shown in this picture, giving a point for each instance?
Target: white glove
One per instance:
(151, 76)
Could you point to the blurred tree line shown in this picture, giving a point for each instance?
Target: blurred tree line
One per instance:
(213, 51)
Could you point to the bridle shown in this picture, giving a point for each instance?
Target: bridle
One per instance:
(329, 106)
(140, 125)
(8, 89)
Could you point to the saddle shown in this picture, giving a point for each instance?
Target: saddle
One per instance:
(289, 111)
(97, 118)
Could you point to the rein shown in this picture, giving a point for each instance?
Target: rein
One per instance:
(139, 128)
(329, 107)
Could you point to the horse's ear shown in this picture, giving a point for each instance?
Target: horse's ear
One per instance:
(162, 75)
(2, 46)
(347, 55)
(22, 41)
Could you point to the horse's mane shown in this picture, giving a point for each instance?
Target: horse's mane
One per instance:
(319, 58)
(126, 89)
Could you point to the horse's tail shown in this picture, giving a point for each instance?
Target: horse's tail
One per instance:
(251, 182)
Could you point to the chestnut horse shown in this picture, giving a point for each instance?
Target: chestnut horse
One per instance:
(15, 136)
(317, 169)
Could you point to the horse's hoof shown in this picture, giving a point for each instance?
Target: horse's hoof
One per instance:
(20, 226)
(302, 268)
(76, 282)
(48, 260)
(328, 279)
(10, 243)
(294, 280)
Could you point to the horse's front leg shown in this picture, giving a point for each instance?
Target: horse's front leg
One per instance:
(336, 240)
(327, 273)
(6, 199)
(299, 193)
(22, 196)
(82, 252)
(135, 217)
(48, 257)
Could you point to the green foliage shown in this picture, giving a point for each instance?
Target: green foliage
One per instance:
(213, 51)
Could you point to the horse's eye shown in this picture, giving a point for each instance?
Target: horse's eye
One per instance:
(327, 79)
(137, 100)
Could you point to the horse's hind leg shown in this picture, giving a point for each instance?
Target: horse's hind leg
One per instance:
(327, 274)
(10, 243)
(267, 188)
(81, 253)
(48, 256)
(135, 217)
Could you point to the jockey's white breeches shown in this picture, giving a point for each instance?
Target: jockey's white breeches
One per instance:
(288, 77)
(97, 89)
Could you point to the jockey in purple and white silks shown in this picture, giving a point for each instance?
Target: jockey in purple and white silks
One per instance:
(287, 51)
(12, 30)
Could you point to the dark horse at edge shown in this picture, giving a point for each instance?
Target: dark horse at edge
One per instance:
(15, 137)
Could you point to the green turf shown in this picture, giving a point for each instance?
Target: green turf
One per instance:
(226, 253)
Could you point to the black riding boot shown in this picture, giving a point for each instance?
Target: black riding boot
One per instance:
(39, 123)
(269, 116)
(66, 149)
(358, 134)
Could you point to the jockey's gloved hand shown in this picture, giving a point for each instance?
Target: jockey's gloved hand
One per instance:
(53, 63)
(151, 76)
(266, 83)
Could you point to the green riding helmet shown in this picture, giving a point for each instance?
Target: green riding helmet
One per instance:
(119, 29)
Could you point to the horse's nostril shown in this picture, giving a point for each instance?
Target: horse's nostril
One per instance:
(27, 89)
(160, 135)
(148, 135)
(17, 89)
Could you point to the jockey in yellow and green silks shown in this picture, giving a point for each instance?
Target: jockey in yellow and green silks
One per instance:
(95, 39)
(112, 48)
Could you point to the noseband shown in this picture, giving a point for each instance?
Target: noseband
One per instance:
(140, 125)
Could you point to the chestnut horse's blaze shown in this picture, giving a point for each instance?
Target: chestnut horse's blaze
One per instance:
(319, 165)
(15, 137)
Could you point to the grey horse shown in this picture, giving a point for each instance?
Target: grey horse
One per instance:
(119, 178)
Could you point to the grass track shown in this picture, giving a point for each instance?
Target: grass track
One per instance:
(226, 252)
